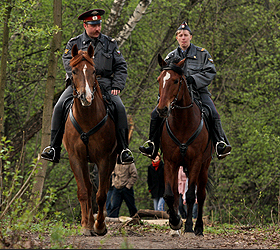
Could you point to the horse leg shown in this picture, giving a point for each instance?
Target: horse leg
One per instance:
(84, 185)
(175, 221)
(104, 183)
(190, 199)
(201, 194)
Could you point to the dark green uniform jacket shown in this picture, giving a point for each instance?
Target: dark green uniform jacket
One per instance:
(109, 62)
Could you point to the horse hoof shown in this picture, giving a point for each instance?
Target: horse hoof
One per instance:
(177, 227)
(100, 232)
(88, 232)
(198, 233)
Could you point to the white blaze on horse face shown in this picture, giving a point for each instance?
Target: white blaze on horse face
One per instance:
(88, 92)
(165, 78)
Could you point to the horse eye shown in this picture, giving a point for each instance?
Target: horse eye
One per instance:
(176, 81)
(74, 72)
(93, 72)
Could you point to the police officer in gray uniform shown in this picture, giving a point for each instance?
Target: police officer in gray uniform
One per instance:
(111, 72)
(199, 70)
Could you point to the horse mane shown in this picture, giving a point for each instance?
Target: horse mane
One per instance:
(172, 64)
(82, 55)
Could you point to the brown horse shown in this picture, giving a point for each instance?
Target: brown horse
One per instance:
(185, 141)
(89, 137)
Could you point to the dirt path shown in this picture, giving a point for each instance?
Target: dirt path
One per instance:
(156, 234)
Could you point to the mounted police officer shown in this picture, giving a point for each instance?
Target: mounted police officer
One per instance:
(111, 72)
(199, 70)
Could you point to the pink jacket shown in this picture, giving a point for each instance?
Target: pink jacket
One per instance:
(181, 180)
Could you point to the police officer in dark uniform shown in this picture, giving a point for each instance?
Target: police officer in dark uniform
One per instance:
(199, 70)
(111, 72)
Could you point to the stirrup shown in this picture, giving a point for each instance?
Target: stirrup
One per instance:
(221, 155)
(121, 154)
(153, 144)
(44, 151)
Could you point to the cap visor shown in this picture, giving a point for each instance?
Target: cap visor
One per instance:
(94, 22)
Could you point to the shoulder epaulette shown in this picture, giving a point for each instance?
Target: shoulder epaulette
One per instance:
(74, 38)
(202, 49)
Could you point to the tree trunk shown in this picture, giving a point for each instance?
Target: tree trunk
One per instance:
(49, 95)
(133, 20)
(151, 213)
(112, 20)
(3, 69)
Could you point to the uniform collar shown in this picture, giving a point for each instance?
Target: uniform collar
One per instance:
(191, 51)
(86, 39)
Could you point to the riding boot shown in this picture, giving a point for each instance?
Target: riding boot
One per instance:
(52, 152)
(154, 138)
(221, 142)
(125, 155)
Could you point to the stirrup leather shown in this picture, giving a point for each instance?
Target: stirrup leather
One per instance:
(220, 155)
(121, 156)
(45, 151)
(153, 144)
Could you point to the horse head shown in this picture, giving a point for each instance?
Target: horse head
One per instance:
(84, 74)
(170, 81)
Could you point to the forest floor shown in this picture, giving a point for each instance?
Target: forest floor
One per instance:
(156, 234)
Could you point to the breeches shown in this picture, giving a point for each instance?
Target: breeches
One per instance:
(206, 99)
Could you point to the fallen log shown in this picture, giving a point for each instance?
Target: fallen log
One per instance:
(151, 213)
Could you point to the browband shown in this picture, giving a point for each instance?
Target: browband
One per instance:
(173, 67)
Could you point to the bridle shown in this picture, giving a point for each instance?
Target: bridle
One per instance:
(179, 71)
(76, 94)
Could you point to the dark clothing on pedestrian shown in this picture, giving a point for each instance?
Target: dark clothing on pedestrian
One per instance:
(156, 180)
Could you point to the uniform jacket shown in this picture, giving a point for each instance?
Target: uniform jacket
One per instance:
(181, 180)
(199, 64)
(156, 180)
(124, 176)
(109, 62)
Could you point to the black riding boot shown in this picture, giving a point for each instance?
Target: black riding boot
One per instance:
(125, 155)
(52, 152)
(154, 138)
(221, 142)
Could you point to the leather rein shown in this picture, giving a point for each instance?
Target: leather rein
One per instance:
(183, 146)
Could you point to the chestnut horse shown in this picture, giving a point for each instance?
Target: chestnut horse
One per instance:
(185, 141)
(89, 137)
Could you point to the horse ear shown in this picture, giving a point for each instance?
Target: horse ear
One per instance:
(75, 50)
(161, 62)
(181, 63)
(90, 50)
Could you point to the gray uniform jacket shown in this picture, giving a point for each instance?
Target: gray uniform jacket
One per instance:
(109, 63)
(199, 64)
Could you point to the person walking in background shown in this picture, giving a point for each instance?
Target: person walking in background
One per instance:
(156, 182)
(109, 197)
(123, 180)
(182, 178)
(194, 212)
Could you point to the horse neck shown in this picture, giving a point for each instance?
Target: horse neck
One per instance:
(184, 100)
(90, 115)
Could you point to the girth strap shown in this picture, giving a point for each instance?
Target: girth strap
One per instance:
(184, 146)
(84, 135)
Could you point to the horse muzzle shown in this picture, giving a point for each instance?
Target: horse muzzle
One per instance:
(85, 99)
(164, 112)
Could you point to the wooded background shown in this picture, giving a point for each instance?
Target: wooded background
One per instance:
(243, 37)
